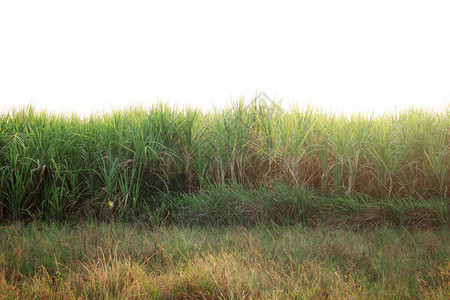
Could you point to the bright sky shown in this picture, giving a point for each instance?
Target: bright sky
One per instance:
(341, 55)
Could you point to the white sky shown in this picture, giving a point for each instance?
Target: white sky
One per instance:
(341, 55)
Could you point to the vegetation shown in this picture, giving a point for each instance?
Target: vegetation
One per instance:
(106, 261)
(246, 202)
(127, 162)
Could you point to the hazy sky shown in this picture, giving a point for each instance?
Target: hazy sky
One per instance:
(342, 55)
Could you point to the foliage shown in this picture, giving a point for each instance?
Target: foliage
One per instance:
(111, 164)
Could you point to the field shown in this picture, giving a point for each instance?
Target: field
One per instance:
(106, 261)
(245, 202)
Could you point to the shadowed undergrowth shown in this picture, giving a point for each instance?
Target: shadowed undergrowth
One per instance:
(287, 205)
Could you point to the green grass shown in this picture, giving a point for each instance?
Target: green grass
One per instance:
(245, 202)
(56, 166)
(123, 261)
(288, 205)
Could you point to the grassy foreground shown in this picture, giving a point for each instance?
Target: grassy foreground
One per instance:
(117, 261)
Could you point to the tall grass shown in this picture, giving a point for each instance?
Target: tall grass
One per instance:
(54, 165)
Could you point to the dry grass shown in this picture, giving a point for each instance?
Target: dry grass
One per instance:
(95, 261)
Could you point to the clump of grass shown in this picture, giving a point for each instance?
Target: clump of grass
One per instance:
(223, 205)
(55, 166)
